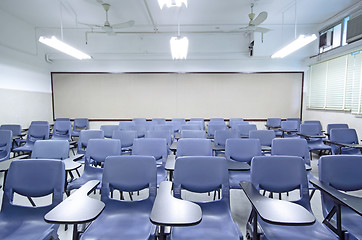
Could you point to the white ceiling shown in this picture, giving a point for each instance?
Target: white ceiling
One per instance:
(202, 18)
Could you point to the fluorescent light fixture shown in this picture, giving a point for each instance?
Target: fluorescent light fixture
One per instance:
(172, 3)
(298, 43)
(179, 47)
(63, 47)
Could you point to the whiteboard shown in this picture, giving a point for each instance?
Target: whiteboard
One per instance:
(118, 96)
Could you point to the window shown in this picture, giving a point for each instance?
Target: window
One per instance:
(337, 84)
(334, 36)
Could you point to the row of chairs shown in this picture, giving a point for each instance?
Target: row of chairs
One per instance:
(201, 174)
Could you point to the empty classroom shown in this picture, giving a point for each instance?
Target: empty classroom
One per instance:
(180, 119)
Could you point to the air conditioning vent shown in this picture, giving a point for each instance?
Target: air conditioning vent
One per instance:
(354, 29)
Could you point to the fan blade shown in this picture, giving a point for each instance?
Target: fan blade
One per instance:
(262, 30)
(259, 19)
(124, 24)
(90, 25)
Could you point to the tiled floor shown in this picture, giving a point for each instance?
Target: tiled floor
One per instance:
(240, 207)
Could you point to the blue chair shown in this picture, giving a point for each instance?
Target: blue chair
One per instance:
(157, 121)
(50, 149)
(274, 124)
(192, 126)
(198, 121)
(139, 120)
(97, 151)
(295, 119)
(194, 147)
(233, 122)
(127, 125)
(62, 130)
(316, 122)
(126, 137)
(62, 119)
(6, 139)
(222, 135)
(244, 129)
(31, 178)
(314, 144)
(79, 124)
(165, 134)
(342, 172)
(84, 137)
(193, 134)
(290, 125)
(335, 125)
(35, 132)
(241, 150)
(294, 147)
(216, 120)
(177, 123)
(206, 174)
(39, 122)
(155, 147)
(16, 131)
(265, 136)
(280, 174)
(344, 135)
(214, 126)
(125, 219)
(108, 130)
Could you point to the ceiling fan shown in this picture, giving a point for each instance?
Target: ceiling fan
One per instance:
(107, 27)
(255, 21)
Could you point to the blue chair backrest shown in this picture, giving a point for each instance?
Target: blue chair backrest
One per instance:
(274, 122)
(291, 147)
(191, 126)
(193, 134)
(165, 134)
(221, 136)
(242, 150)
(158, 120)
(162, 127)
(129, 173)
(233, 122)
(62, 129)
(139, 120)
(80, 124)
(62, 119)
(99, 149)
(34, 178)
(316, 122)
(50, 149)
(15, 128)
(125, 136)
(37, 132)
(295, 119)
(265, 136)
(244, 129)
(342, 172)
(194, 147)
(217, 120)
(127, 125)
(335, 125)
(84, 137)
(108, 130)
(6, 139)
(213, 126)
(310, 129)
(179, 120)
(280, 174)
(39, 122)
(156, 147)
(201, 174)
(290, 125)
(344, 135)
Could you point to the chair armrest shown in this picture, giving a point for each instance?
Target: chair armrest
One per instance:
(352, 202)
(166, 209)
(277, 211)
(78, 207)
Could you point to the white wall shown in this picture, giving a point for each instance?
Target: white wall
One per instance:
(25, 89)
